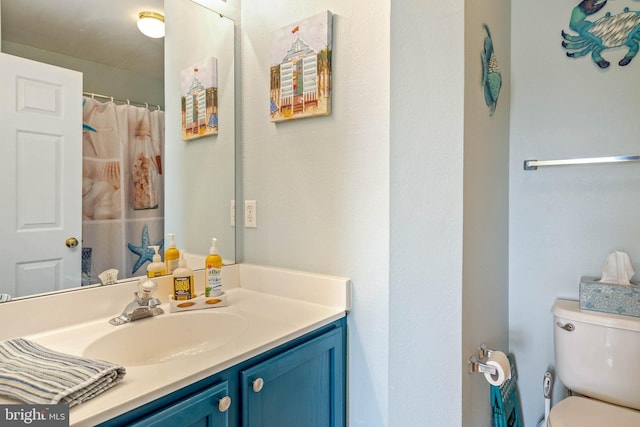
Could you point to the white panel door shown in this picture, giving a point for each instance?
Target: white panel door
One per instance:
(40, 176)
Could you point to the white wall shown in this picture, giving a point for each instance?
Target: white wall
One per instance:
(98, 78)
(425, 285)
(449, 211)
(376, 192)
(322, 184)
(564, 220)
(485, 311)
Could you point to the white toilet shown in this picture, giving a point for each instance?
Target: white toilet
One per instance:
(598, 358)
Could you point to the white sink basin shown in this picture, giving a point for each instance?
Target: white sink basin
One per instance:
(166, 337)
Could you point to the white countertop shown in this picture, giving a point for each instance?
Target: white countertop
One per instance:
(278, 306)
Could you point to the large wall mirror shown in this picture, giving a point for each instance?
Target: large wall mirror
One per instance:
(120, 66)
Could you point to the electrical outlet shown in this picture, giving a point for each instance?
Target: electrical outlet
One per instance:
(250, 215)
(232, 213)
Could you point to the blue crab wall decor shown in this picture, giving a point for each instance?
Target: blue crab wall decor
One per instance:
(609, 31)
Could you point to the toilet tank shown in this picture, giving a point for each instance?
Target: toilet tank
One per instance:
(597, 354)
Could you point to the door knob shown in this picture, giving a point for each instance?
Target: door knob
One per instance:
(71, 242)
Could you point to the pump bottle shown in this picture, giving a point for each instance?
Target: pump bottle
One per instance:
(171, 255)
(213, 271)
(183, 283)
(157, 267)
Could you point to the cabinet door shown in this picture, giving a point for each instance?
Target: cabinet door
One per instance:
(208, 408)
(303, 387)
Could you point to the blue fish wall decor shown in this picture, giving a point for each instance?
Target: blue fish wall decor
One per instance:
(491, 77)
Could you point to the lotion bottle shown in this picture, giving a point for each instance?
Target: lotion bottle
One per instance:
(157, 267)
(213, 272)
(171, 255)
(183, 284)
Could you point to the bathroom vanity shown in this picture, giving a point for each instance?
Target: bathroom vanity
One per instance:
(276, 355)
(302, 381)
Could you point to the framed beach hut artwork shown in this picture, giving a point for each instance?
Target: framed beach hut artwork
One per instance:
(301, 69)
(199, 89)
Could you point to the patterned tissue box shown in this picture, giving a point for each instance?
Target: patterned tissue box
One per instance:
(609, 297)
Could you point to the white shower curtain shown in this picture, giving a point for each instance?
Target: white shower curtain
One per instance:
(122, 188)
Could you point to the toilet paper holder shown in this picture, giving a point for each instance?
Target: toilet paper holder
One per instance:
(476, 361)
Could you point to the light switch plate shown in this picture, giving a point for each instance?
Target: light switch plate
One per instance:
(250, 214)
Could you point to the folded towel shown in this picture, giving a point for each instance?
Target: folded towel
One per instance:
(34, 374)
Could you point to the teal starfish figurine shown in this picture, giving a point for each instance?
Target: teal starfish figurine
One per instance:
(144, 251)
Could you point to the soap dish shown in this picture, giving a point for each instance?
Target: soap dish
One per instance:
(198, 303)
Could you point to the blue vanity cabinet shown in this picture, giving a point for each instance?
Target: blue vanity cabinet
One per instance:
(300, 387)
(299, 383)
(207, 408)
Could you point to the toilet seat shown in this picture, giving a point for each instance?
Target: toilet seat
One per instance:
(577, 411)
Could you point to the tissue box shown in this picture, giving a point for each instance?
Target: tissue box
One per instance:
(609, 297)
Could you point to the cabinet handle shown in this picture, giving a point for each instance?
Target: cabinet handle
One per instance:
(258, 383)
(224, 404)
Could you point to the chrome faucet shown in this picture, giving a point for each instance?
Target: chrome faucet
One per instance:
(143, 304)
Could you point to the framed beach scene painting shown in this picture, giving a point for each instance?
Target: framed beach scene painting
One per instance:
(199, 89)
(301, 69)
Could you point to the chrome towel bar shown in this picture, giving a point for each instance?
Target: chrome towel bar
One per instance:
(530, 165)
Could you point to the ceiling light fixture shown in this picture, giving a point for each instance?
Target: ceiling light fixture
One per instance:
(151, 24)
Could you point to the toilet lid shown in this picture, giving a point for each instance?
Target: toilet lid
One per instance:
(584, 412)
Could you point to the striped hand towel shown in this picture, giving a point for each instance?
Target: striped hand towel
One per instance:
(34, 374)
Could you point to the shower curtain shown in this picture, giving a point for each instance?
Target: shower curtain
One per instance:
(122, 188)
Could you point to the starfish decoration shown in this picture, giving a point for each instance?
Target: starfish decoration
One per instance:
(144, 251)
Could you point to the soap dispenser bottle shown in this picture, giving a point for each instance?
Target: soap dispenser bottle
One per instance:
(171, 255)
(157, 267)
(213, 271)
(183, 284)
